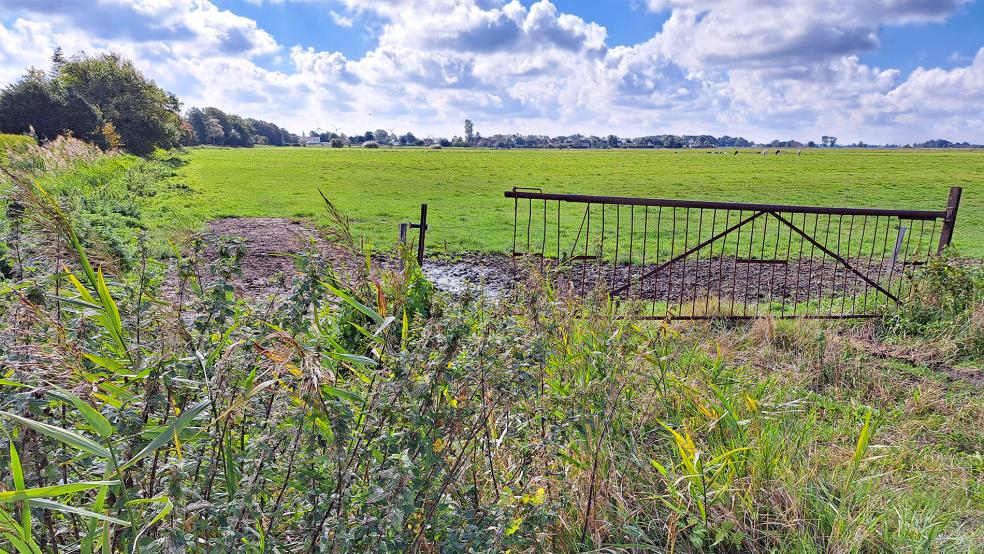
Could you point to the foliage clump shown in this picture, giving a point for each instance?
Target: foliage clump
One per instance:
(945, 307)
(103, 99)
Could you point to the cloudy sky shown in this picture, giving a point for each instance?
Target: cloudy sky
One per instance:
(875, 70)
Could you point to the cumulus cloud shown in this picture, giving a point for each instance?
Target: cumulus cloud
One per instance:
(192, 25)
(787, 68)
(742, 33)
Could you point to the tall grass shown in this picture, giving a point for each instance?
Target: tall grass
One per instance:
(151, 409)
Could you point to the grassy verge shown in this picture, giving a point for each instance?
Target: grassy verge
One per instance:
(116, 200)
(361, 413)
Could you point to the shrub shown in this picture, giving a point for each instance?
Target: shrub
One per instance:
(946, 305)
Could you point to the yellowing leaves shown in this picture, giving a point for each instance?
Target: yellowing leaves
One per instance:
(536, 498)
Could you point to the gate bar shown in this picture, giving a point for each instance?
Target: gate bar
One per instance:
(633, 201)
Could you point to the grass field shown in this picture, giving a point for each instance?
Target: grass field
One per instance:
(463, 188)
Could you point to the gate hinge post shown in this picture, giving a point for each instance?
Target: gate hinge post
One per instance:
(952, 204)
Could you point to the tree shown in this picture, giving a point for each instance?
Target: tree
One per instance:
(196, 119)
(145, 115)
(213, 130)
(408, 140)
(40, 103)
(469, 132)
(270, 133)
(57, 61)
(383, 136)
(188, 135)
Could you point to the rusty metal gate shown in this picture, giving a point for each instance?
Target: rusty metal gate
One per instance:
(691, 259)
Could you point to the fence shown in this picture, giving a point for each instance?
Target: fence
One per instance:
(699, 259)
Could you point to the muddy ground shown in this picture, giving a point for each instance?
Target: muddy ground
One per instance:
(267, 265)
(267, 268)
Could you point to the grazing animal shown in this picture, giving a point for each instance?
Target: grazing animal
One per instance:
(778, 152)
(765, 152)
(799, 151)
(736, 152)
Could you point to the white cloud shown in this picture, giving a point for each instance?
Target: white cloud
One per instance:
(340, 19)
(783, 69)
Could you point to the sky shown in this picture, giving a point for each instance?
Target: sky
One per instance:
(881, 71)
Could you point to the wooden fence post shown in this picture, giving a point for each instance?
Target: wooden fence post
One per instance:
(952, 203)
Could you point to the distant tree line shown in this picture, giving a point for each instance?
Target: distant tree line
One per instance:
(217, 128)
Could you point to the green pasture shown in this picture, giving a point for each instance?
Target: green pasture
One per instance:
(464, 187)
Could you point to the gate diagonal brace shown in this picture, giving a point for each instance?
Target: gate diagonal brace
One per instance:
(837, 257)
(672, 261)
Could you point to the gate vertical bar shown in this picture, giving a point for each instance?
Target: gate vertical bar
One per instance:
(423, 235)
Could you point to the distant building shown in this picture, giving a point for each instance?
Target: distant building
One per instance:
(311, 141)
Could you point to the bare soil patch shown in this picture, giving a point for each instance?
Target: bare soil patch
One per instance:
(268, 265)
(270, 243)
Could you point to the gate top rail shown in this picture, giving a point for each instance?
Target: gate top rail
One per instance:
(518, 193)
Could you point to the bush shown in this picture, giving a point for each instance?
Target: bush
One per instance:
(946, 305)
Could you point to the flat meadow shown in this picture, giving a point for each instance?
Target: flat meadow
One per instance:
(464, 188)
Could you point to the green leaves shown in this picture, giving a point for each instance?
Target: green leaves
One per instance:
(59, 507)
(71, 438)
(168, 433)
(54, 490)
(99, 423)
(341, 393)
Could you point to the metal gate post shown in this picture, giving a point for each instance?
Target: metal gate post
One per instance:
(423, 234)
(946, 233)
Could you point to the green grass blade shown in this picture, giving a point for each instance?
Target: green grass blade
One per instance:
(64, 436)
(351, 301)
(97, 507)
(168, 433)
(59, 507)
(54, 490)
(98, 422)
(18, 473)
(166, 509)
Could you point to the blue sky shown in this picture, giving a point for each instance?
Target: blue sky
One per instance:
(886, 71)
